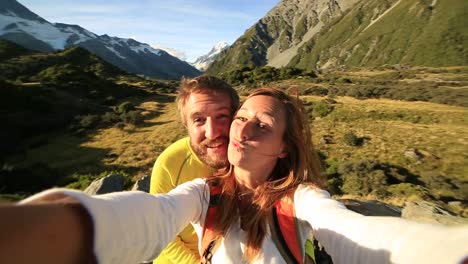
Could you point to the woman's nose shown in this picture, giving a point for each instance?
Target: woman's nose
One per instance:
(244, 131)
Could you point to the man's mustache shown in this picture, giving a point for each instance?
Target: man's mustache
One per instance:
(208, 143)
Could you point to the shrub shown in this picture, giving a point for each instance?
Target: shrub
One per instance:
(88, 121)
(110, 118)
(37, 177)
(125, 107)
(132, 117)
(322, 109)
(373, 183)
(407, 190)
(351, 139)
(363, 177)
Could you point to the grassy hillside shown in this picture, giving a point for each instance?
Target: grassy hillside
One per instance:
(411, 32)
(369, 34)
(372, 148)
(43, 96)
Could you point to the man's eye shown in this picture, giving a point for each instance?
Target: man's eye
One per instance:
(198, 120)
(262, 126)
(223, 116)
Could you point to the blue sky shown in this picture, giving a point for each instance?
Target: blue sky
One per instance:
(192, 27)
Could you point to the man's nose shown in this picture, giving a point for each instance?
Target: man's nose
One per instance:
(212, 129)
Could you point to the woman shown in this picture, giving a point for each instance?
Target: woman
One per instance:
(271, 157)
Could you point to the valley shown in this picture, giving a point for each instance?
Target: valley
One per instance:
(372, 148)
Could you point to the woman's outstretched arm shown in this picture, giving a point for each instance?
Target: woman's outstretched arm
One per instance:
(54, 229)
(122, 227)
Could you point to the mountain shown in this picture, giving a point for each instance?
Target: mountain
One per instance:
(203, 62)
(18, 24)
(314, 34)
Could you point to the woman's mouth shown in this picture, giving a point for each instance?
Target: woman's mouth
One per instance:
(237, 145)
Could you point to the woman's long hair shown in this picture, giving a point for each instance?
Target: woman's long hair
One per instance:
(300, 165)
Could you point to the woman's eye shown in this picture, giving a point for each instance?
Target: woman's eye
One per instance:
(243, 119)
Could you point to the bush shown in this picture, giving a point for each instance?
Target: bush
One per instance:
(407, 190)
(322, 109)
(132, 117)
(88, 121)
(110, 118)
(125, 107)
(363, 177)
(351, 139)
(35, 178)
(375, 182)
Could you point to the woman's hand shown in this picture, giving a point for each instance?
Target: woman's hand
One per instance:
(53, 229)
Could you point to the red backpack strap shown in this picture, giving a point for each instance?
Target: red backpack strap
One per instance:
(208, 235)
(285, 220)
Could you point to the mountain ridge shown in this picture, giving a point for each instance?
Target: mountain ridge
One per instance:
(18, 24)
(355, 33)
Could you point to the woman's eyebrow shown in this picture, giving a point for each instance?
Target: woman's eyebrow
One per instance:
(267, 114)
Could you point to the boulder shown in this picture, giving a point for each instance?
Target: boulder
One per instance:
(108, 184)
(423, 211)
(142, 184)
(371, 208)
(413, 154)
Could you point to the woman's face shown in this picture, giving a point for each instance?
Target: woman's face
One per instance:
(256, 134)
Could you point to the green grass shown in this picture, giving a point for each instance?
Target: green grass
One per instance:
(386, 129)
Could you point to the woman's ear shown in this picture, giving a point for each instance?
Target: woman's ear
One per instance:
(282, 155)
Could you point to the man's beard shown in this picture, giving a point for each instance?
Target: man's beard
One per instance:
(215, 160)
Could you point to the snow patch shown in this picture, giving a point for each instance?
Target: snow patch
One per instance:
(116, 52)
(45, 32)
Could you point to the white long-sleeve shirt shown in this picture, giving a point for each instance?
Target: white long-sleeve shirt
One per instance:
(131, 227)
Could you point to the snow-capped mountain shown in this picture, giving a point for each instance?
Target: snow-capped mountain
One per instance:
(18, 24)
(202, 62)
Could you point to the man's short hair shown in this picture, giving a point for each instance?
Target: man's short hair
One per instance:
(204, 84)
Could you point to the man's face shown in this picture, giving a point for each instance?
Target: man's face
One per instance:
(208, 118)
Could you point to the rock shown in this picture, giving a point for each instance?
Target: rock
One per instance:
(371, 208)
(413, 154)
(423, 211)
(112, 155)
(108, 184)
(142, 184)
(326, 139)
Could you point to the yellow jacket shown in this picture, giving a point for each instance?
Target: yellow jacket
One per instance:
(178, 164)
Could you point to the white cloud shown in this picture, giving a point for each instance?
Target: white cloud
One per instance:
(176, 53)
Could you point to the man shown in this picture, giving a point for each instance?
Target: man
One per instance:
(206, 105)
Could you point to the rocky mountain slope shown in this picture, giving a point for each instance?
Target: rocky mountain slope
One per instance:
(20, 25)
(325, 33)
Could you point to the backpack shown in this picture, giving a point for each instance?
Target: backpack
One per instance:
(283, 228)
